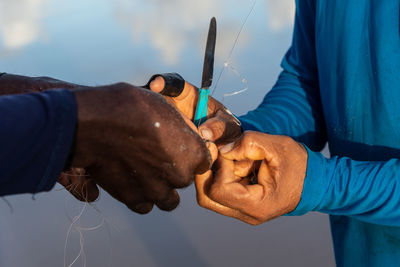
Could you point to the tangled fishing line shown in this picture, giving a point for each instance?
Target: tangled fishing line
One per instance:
(228, 65)
(228, 62)
(76, 225)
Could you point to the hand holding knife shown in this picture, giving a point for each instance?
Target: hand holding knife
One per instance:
(174, 83)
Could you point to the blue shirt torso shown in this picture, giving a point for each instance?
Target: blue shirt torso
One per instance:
(358, 59)
(341, 85)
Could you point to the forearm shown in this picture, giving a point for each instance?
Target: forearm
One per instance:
(11, 84)
(291, 108)
(368, 191)
(36, 134)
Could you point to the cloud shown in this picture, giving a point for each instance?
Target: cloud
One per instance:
(168, 26)
(171, 26)
(280, 14)
(20, 22)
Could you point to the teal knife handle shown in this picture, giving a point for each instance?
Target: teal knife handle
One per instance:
(201, 109)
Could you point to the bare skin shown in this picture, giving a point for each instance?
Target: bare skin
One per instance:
(221, 126)
(279, 164)
(11, 84)
(131, 142)
(255, 178)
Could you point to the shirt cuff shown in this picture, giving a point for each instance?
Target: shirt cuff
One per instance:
(66, 109)
(315, 183)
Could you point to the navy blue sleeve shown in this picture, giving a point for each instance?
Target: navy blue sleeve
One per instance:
(36, 134)
(293, 106)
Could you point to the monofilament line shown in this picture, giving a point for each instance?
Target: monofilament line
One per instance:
(227, 62)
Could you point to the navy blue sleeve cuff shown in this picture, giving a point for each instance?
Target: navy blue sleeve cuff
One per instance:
(36, 134)
(66, 109)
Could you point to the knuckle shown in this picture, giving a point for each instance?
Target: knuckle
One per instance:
(201, 200)
(254, 223)
(248, 137)
(122, 85)
(286, 141)
(249, 141)
(261, 218)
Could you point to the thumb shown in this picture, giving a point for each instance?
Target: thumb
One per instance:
(212, 129)
(243, 149)
(213, 151)
(169, 84)
(158, 84)
(223, 128)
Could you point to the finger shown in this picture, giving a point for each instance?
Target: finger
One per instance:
(212, 129)
(202, 183)
(188, 121)
(141, 208)
(222, 128)
(229, 189)
(183, 98)
(187, 100)
(79, 185)
(213, 151)
(155, 189)
(244, 168)
(168, 84)
(170, 202)
(157, 85)
(122, 185)
(225, 172)
(243, 149)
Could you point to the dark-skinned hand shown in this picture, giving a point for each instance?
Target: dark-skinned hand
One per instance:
(11, 84)
(255, 179)
(136, 146)
(221, 126)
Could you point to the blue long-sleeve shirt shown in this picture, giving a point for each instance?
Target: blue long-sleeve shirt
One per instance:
(341, 84)
(36, 134)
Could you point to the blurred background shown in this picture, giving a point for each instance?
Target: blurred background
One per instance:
(96, 42)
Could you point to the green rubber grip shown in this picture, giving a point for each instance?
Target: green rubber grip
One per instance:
(201, 109)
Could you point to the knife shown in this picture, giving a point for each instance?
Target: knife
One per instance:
(208, 70)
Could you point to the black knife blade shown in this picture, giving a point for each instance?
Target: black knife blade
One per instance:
(208, 67)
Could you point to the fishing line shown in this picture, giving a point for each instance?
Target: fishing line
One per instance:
(8, 204)
(227, 64)
(74, 220)
(77, 226)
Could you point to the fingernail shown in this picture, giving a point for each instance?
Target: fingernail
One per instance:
(206, 134)
(227, 148)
